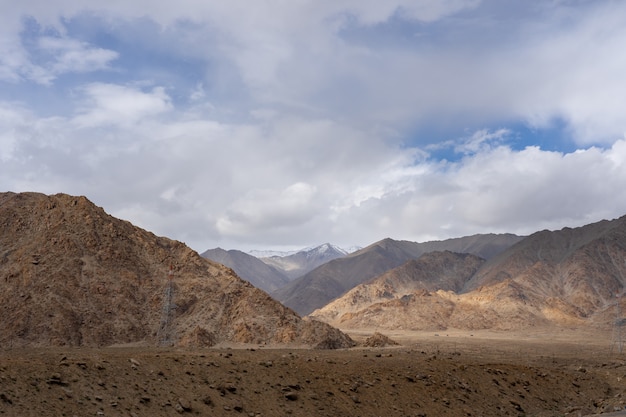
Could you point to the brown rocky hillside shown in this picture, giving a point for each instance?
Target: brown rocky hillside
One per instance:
(70, 274)
(502, 307)
(431, 272)
(569, 277)
(584, 267)
(402, 298)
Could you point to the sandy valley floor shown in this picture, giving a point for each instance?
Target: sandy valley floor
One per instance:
(541, 373)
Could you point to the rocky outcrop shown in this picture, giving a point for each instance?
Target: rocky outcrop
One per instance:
(379, 340)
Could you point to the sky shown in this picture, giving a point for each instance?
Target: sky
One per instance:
(282, 124)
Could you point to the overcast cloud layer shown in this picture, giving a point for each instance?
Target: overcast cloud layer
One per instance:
(284, 124)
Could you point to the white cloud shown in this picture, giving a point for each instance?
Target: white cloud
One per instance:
(549, 61)
(210, 183)
(262, 210)
(11, 121)
(50, 57)
(11, 60)
(110, 104)
(70, 55)
(574, 73)
(501, 190)
(297, 123)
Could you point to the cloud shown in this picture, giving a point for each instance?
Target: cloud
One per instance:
(292, 123)
(11, 59)
(70, 55)
(110, 104)
(573, 73)
(11, 120)
(467, 63)
(264, 209)
(210, 183)
(498, 190)
(43, 54)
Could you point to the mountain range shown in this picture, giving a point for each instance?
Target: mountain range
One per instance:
(73, 275)
(332, 279)
(569, 277)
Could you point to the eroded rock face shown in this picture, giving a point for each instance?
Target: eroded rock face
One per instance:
(70, 274)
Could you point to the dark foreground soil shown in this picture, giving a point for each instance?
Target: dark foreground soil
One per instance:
(437, 377)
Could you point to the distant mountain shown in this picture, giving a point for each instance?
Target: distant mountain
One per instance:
(248, 267)
(269, 253)
(567, 277)
(272, 253)
(72, 275)
(297, 264)
(332, 279)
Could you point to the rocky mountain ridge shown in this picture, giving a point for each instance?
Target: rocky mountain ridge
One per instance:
(70, 274)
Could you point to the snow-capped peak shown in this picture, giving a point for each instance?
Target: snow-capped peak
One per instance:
(271, 253)
(321, 250)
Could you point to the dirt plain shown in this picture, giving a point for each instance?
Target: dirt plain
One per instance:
(540, 373)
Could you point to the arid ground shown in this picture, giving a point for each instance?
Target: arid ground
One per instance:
(551, 373)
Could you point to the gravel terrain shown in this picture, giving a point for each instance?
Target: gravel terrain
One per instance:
(427, 375)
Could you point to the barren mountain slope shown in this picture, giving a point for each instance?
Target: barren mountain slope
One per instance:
(431, 272)
(498, 308)
(331, 280)
(568, 277)
(70, 274)
(584, 266)
(248, 267)
(504, 306)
